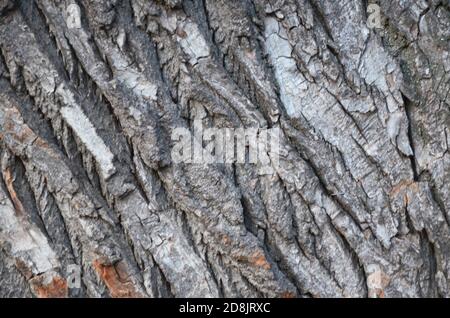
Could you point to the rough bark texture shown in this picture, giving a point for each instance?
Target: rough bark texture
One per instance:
(359, 205)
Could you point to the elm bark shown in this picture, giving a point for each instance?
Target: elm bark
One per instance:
(357, 206)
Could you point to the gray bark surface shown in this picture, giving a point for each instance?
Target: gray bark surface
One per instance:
(358, 206)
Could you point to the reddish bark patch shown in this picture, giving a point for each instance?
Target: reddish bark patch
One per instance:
(288, 294)
(41, 143)
(259, 260)
(404, 185)
(9, 181)
(57, 288)
(117, 279)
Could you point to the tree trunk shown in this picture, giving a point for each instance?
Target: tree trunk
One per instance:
(357, 202)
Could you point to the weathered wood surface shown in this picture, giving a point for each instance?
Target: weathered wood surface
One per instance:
(358, 206)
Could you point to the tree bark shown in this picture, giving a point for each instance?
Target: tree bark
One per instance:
(357, 206)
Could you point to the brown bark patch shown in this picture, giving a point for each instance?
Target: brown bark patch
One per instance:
(259, 260)
(117, 279)
(9, 181)
(402, 186)
(24, 269)
(56, 288)
(288, 294)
